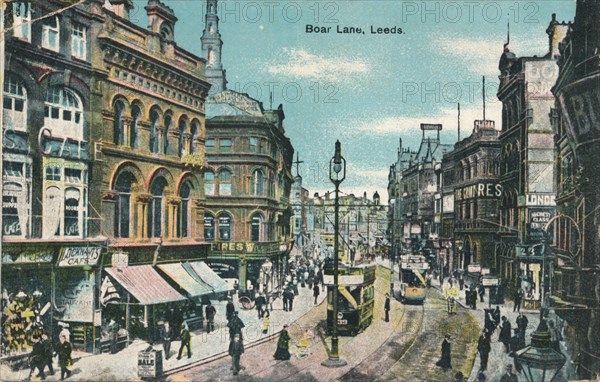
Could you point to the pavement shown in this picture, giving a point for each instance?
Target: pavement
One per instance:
(122, 366)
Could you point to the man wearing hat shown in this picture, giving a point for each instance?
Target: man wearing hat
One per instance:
(229, 309)
(235, 325)
(509, 376)
(186, 341)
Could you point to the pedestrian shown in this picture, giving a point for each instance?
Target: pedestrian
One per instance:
(282, 353)
(505, 333)
(522, 322)
(518, 300)
(386, 307)
(286, 299)
(64, 350)
(461, 282)
(291, 296)
(515, 342)
(65, 331)
(509, 376)
(229, 309)
(235, 325)
(445, 361)
(484, 347)
(481, 289)
(48, 353)
(260, 303)
(459, 377)
(210, 313)
(113, 332)
(428, 280)
(186, 341)
(166, 335)
(266, 322)
(496, 315)
(36, 358)
(236, 348)
(316, 292)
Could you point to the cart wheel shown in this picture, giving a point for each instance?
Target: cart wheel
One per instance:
(246, 303)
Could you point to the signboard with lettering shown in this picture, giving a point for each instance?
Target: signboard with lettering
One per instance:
(479, 190)
(79, 256)
(75, 297)
(474, 268)
(28, 257)
(538, 218)
(543, 200)
(490, 281)
(150, 364)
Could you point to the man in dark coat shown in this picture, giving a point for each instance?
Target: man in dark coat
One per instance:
(64, 350)
(235, 325)
(210, 312)
(496, 315)
(236, 349)
(166, 335)
(509, 376)
(505, 333)
(282, 353)
(37, 359)
(484, 347)
(481, 292)
(518, 300)
(316, 292)
(522, 322)
(386, 307)
(260, 302)
(446, 361)
(286, 299)
(229, 309)
(48, 352)
(515, 342)
(186, 341)
(291, 296)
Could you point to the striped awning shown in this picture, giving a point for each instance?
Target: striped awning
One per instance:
(145, 284)
(186, 279)
(208, 276)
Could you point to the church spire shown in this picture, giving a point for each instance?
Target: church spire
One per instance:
(211, 47)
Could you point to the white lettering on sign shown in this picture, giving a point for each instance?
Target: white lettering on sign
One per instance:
(480, 190)
(79, 256)
(541, 200)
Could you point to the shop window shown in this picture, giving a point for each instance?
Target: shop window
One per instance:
(209, 183)
(225, 182)
(224, 228)
(156, 207)
(15, 104)
(168, 122)
(154, 136)
(256, 227)
(78, 41)
(225, 145)
(183, 211)
(123, 187)
(22, 20)
(15, 209)
(209, 227)
(63, 113)
(258, 183)
(210, 145)
(51, 33)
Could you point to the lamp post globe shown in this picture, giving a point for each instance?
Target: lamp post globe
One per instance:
(337, 174)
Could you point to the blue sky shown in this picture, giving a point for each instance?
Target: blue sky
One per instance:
(367, 90)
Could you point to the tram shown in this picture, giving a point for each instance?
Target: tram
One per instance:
(356, 298)
(413, 286)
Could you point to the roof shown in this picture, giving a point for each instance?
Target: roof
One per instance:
(145, 284)
(231, 103)
(192, 285)
(203, 273)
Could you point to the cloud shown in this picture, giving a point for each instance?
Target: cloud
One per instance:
(302, 64)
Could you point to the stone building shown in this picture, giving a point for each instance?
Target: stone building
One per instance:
(247, 181)
(576, 240)
(527, 163)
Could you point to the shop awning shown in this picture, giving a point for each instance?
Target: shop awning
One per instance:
(145, 284)
(208, 276)
(186, 279)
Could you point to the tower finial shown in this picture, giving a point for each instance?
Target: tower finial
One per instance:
(297, 163)
(507, 31)
(211, 47)
(483, 96)
(458, 122)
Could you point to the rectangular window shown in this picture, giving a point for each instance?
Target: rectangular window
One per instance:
(50, 34)
(253, 142)
(52, 173)
(210, 145)
(72, 175)
(14, 169)
(21, 20)
(225, 145)
(78, 41)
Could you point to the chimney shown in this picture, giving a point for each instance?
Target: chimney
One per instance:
(120, 8)
(161, 19)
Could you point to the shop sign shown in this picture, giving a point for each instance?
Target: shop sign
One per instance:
(479, 190)
(538, 219)
(149, 365)
(66, 148)
(490, 281)
(225, 268)
(76, 298)
(474, 268)
(28, 258)
(542, 200)
(485, 271)
(79, 256)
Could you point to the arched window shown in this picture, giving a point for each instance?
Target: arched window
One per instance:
(224, 228)
(63, 113)
(73, 212)
(209, 227)
(136, 114)
(156, 207)
(225, 182)
(181, 144)
(258, 183)
(51, 33)
(168, 122)
(183, 212)
(15, 104)
(154, 136)
(209, 183)
(53, 200)
(123, 188)
(256, 227)
(119, 124)
(194, 131)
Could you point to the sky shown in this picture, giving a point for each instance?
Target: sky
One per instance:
(367, 89)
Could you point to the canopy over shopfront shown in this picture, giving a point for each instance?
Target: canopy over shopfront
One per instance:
(145, 284)
(201, 272)
(186, 279)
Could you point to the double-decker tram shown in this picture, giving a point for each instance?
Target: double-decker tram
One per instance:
(356, 295)
(413, 285)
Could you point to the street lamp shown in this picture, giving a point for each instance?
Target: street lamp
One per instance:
(337, 174)
(266, 271)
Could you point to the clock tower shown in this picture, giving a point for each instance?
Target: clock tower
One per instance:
(211, 47)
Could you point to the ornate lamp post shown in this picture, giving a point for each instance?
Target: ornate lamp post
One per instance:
(337, 174)
(266, 268)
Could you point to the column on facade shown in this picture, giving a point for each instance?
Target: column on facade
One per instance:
(141, 208)
(173, 203)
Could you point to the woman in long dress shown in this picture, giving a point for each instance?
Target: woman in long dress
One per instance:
(445, 362)
(283, 345)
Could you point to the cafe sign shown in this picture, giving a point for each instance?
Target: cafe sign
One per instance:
(79, 256)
